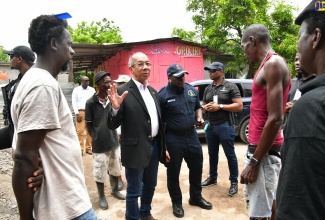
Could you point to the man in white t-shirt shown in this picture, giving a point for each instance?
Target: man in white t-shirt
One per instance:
(80, 95)
(44, 127)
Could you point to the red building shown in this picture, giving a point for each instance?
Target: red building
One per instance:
(162, 53)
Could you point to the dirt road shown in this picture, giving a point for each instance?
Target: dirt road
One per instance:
(224, 207)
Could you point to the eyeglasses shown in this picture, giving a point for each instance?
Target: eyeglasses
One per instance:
(11, 56)
(86, 80)
(140, 64)
(213, 71)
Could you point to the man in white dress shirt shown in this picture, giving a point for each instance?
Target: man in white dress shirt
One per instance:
(80, 95)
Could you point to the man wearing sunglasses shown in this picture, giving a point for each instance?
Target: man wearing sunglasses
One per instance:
(220, 99)
(80, 95)
(21, 59)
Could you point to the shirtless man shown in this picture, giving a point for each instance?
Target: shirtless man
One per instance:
(270, 89)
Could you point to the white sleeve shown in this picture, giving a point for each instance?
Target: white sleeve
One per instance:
(39, 110)
(74, 101)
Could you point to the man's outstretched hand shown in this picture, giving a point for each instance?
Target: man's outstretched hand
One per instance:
(115, 99)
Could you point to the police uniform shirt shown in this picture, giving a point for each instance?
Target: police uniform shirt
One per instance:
(226, 91)
(178, 107)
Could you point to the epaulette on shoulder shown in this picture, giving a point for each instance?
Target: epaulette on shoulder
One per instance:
(161, 89)
(188, 84)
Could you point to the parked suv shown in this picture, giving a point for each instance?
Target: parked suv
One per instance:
(241, 118)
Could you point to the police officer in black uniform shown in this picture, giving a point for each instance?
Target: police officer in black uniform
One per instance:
(181, 111)
(220, 99)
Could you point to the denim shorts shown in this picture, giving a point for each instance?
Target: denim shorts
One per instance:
(89, 215)
(259, 195)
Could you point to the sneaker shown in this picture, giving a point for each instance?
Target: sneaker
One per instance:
(208, 182)
(233, 189)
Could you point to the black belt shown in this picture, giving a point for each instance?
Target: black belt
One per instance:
(275, 150)
(152, 140)
(220, 123)
(181, 133)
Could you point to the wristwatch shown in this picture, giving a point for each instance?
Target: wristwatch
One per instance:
(221, 106)
(254, 161)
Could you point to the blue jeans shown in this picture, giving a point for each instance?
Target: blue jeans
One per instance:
(223, 134)
(141, 182)
(89, 215)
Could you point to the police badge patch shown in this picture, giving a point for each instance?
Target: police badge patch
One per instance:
(191, 93)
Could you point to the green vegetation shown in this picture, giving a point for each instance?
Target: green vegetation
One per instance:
(98, 32)
(220, 25)
(3, 57)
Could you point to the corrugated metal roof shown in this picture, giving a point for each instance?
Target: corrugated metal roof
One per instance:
(88, 56)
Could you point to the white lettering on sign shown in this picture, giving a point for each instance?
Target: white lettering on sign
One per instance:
(159, 49)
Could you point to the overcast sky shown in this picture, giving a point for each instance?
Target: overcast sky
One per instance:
(138, 20)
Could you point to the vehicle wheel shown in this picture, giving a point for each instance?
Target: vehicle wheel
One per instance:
(243, 133)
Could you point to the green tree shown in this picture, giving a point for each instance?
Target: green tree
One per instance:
(185, 35)
(97, 32)
(3, 57)
(284, 34)
(220, 25)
